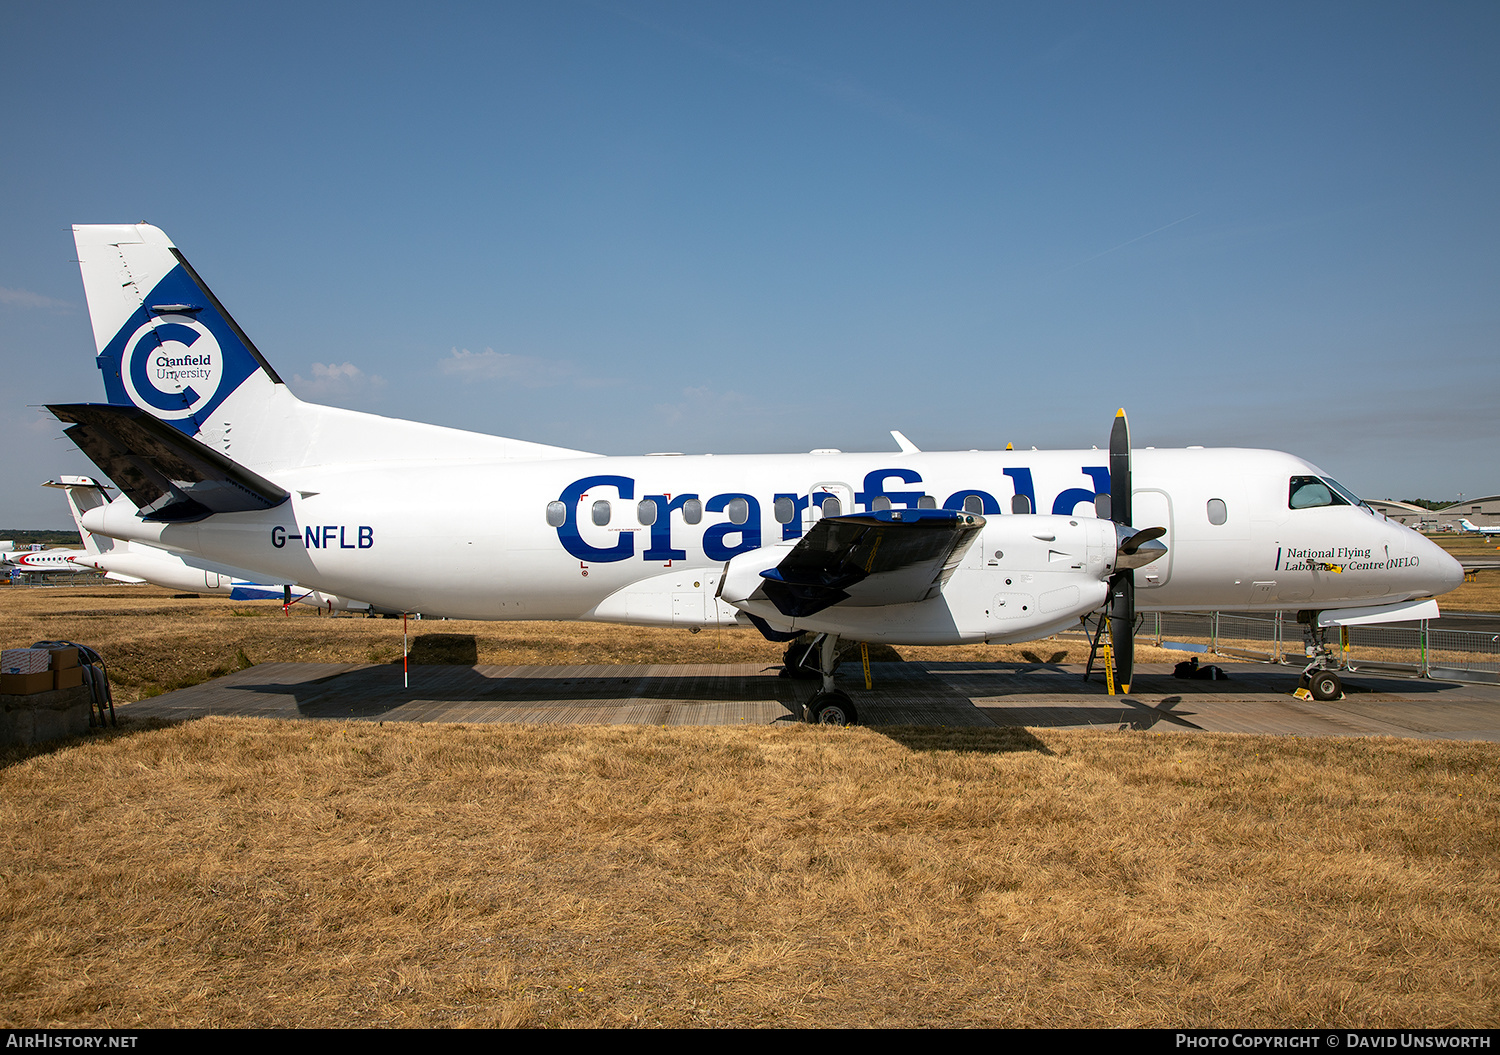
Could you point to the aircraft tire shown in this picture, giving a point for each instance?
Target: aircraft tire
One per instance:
(1325, 685)
(832, 708)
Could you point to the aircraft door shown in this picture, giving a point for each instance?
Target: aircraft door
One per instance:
(212, 579)
(1152, 508)
(827, 499)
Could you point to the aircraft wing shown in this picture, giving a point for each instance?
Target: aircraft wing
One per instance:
(168, 475)
(893, 556)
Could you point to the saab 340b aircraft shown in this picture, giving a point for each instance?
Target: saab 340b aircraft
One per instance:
(217, 459)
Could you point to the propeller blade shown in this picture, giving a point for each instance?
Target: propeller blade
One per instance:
(1122, 628)
(1122, 583)
(1119, 469)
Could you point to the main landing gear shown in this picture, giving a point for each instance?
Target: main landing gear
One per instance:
(1320, 677)
(820, 658)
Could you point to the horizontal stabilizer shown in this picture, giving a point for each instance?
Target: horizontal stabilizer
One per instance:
(166, 474)
(65, 482)
(893, 556)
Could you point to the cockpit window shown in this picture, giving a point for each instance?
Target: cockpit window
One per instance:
(1344, 492)
(1309, 492)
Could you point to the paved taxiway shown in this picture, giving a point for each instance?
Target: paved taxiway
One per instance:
(1256, 698)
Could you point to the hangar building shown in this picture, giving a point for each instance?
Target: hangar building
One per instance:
(1405, 513)
(1483, 511)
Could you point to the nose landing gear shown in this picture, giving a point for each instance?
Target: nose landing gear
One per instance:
(1320, 679)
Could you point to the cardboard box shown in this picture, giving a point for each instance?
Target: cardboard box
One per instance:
(63, 658)
(67, 677)
(26, 684)
(25, 660)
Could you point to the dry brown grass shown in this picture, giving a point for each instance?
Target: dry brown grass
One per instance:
(154, 641)
(242, 872)
(238, 872)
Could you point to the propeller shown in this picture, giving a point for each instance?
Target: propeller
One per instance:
(1134, 549)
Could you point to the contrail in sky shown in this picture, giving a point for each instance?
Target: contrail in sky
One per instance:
(1122, 245)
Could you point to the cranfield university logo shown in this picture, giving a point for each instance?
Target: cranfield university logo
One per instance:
(172, 366)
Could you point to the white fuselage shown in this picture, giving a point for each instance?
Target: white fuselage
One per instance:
(473, 540)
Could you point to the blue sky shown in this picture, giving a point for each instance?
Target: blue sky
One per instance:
(631, 226)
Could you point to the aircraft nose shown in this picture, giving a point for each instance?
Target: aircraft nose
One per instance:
(1442, 568)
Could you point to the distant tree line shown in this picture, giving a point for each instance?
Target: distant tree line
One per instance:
(23, 537)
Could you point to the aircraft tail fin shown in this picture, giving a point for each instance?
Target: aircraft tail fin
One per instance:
(165, 343)
(83, 494)
(167, 346)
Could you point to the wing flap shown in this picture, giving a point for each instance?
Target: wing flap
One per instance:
(893, 556)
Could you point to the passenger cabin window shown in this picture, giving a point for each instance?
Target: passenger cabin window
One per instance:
(1218, 513)
(831, 506)
(601, 512)
(1102, 506)
(646, 512)
(556, 514)
(973, 504)
(927, 502)
(883, 502)
(692, 511)
(1020, 504)
(739, 510)
(785, 510)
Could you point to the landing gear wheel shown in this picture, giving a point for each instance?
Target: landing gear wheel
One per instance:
(831, 708)
(1325, 685)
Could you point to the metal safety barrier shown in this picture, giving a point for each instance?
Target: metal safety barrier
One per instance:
(1412, 649)
(1461, 655)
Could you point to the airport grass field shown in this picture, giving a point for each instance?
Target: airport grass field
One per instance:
(245, 872)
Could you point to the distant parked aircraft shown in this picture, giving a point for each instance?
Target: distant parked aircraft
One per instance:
(40, 559)
(1477, 530)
